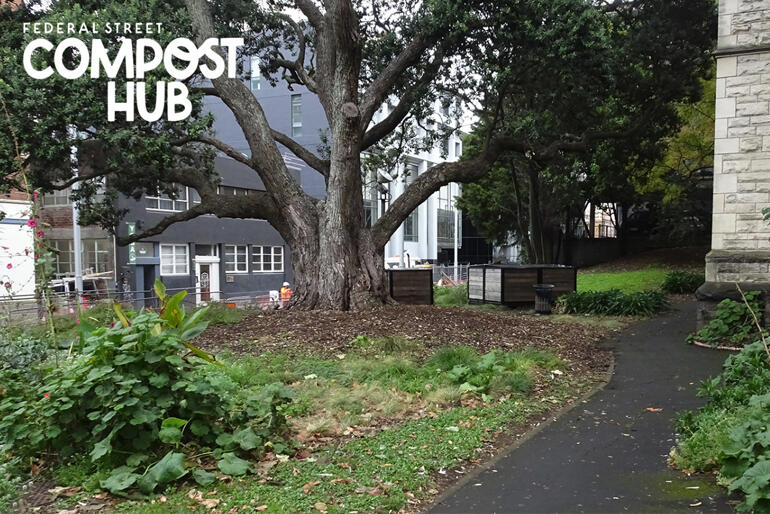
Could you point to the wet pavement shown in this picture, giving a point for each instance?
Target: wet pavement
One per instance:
(609, 453)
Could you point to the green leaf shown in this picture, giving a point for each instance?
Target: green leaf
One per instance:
(173, 422)
(142, 415)
(230, 464)
(170, 435)
(119, 481)
(246, 439)
(135, 459)
(203, 477)
(102, 448)
(166, 470)
(199, 428)
(160, 289)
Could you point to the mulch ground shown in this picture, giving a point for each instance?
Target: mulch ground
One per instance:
(327, 333)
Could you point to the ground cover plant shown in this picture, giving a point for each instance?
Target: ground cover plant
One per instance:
(733, 323)
(729, 433)
(452, 389)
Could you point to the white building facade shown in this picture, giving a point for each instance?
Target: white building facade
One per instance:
(17, 262)
(430, 232)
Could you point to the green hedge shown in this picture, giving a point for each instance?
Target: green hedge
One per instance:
(682, 282)
(612, 303)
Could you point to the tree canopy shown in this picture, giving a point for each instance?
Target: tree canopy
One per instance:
(546, 79)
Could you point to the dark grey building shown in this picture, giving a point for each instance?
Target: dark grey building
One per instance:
(220, 259)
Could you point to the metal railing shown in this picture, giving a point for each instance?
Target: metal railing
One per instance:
(445, 273)
(30, 307)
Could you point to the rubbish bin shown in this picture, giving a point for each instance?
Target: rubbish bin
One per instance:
(543, 294)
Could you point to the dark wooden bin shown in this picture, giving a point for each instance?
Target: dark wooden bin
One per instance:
(512, 284)
(411, 286)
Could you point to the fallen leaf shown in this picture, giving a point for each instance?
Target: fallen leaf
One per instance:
(321, 506)
(65, 491)
(653, 409)
(307, 486)
(261, 508)
(210, 503)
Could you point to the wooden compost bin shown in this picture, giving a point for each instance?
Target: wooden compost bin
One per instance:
(411, 286)
(512, 284)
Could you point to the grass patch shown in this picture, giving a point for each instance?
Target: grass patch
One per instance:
(625, 281)
(377, 473)
(450, 296)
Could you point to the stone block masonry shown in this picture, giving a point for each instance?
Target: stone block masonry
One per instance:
(740, 244)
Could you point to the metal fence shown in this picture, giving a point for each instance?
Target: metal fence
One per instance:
(30, 308)
(446, 273)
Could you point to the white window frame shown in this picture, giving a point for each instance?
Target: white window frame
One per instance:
(233, 251)
(255, 74)
(296, 116)
(176, 251)
(275, 266)
(164, 197)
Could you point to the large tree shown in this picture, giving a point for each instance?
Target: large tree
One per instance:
(612, 68)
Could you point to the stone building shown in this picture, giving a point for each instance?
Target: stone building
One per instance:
(740, 246)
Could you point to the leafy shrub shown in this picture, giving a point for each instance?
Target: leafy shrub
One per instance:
(746, 457)
(612, 303)
(136, 406)
(21, 352)
(450, 296)
(733, 322)
(730, 431)
(682, 282)
(218, 313)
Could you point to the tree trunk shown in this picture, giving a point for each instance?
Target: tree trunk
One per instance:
(336, 274)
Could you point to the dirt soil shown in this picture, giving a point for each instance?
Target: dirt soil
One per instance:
(328, 333)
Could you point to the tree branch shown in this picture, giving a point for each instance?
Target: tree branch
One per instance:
(312, 160)
(412, 94)
(380, 87)
(312, 12)
(297, 66)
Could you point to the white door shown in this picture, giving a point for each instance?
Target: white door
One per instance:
(207, 280)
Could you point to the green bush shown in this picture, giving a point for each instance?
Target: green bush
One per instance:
(22, 352)
(218, 313)
(450, 296)
(730, 431)
(612, 303)
(682, 282)
(138, 406)
(733, 323)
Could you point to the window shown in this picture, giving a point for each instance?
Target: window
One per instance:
(296, 115)
(57, 198)
(206, 250)
(412, 171)
(163, 202)
(173, 260)
(458, 149)
(235, 259)
(411, 227)
(65, 257)
(267, 259)
(195, 198)
(255, 80)
(96, 256)
(445, 147)
(235, 191)
(371, 196)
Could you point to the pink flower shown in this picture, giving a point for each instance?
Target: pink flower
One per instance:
(35, 194)
(4, 247)
(32, 223)
(47, 395)
(77, 321)
(9, 265)
(7, 285)
(40, 233)
(112, 324)
(26, 251)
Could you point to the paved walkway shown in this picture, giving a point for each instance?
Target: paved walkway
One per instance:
(609, 454)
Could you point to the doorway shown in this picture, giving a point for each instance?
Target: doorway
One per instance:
(206, 280)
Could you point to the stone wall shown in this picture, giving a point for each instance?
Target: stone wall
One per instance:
(741, 237)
